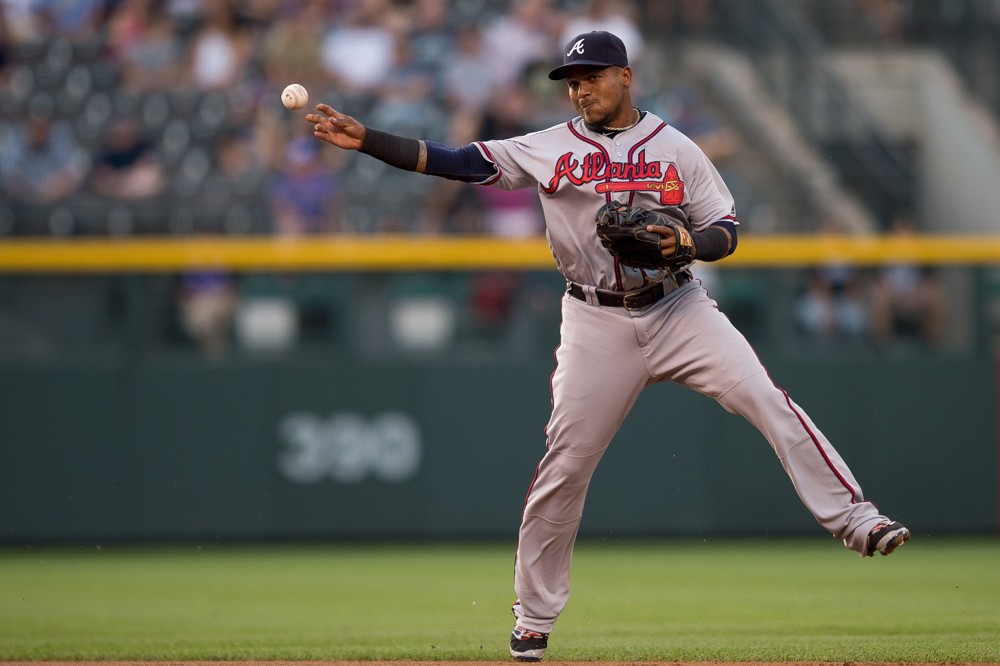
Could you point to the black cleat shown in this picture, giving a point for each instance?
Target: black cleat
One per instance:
(527, 645)
(886, 537)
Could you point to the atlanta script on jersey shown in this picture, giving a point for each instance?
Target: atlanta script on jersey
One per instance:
(576, 171)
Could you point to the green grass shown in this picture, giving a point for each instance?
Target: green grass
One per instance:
(936, 600)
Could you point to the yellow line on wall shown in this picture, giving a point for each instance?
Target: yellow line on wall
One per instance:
(323, 253)
(781, 251)
(415, 253)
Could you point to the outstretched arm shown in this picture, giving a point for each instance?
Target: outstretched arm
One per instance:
(465, 164)
(345, 132)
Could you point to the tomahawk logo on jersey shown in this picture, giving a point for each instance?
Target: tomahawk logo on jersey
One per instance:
(671, 188)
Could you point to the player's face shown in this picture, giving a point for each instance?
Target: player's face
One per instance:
(600, 95)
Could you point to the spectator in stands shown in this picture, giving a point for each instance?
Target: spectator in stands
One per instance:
(359, 53)
(833, 306)
(186, 15)
(306, 195)
(431, 37)
(23, 24)
(908, 300)
(220, 49)
(75, 19)
(126, 168)
(128, 24)
(207, 303)
(41, 162)
(142, 40)
(291, 47)
(233, 190)
(406, 95)
(524, 35)
(467, 74)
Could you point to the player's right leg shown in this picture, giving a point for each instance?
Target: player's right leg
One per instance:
(599, 374)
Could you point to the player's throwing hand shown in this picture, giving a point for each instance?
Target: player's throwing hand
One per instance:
(336, 128)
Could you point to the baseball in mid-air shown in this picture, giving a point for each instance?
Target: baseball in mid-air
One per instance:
(294, 96)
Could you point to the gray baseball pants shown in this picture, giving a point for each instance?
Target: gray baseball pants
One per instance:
(606, 357)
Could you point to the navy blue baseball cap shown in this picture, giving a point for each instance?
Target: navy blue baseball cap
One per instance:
(596, 49)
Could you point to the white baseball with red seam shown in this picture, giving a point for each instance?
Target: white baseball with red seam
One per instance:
(294, 96)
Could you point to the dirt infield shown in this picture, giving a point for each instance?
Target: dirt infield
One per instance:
(473, 663)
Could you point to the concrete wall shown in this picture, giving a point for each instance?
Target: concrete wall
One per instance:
(918, 98)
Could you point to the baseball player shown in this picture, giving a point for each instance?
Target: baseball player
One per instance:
(627, 322)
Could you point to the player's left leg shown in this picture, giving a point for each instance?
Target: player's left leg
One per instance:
(708, 354)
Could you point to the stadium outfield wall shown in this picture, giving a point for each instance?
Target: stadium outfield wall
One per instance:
(165, 449)
(137, 446)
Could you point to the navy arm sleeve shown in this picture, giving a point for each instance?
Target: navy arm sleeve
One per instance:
(731, 228)
(713, 244)
(466, 164)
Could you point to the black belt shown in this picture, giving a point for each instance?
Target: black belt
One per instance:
(631, 300)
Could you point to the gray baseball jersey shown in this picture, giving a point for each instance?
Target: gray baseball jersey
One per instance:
(575, 170)
(608, 354)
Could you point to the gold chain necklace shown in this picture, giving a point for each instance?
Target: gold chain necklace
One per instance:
(638, 117)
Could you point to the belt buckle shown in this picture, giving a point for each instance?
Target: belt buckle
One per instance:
(630, 295)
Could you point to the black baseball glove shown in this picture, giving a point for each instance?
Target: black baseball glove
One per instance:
(622, 230)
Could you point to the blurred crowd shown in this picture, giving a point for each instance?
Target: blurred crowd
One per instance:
(888, 306)
(124, 117)
(163, 116)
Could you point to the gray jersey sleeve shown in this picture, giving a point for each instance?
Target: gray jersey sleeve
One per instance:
(519, 160)
(707, 197)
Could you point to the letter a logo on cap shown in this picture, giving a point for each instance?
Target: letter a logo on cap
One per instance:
(594, 49)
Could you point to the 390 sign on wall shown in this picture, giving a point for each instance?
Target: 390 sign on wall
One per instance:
(349, 448)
